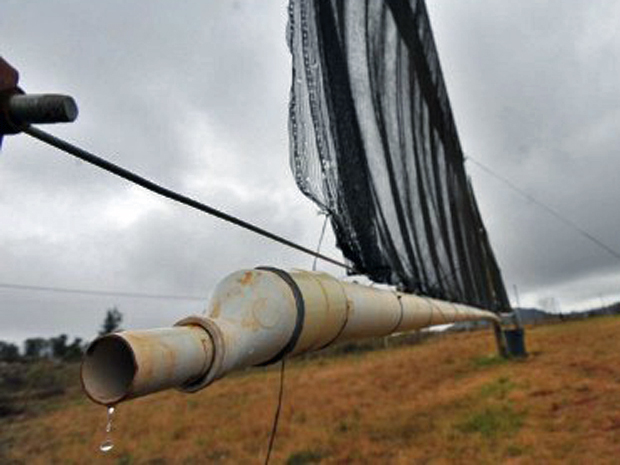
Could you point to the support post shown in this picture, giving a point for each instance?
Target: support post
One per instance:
(500, 341)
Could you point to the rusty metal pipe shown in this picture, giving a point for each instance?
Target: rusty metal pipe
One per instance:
(257, 317)
(121, 366)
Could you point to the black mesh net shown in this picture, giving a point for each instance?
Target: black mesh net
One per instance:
(374, 144)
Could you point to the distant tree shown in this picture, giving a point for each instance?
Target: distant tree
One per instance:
(75, 350)
(9, 352)
(36, 347)
(112, 321)
(58, 345)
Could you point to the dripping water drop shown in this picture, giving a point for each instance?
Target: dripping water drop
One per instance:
(107, 444)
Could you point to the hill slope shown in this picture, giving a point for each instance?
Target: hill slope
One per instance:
(447, 400)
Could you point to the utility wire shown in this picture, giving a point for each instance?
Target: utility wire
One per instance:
(164, 192)
(548, 209)
(66, 290)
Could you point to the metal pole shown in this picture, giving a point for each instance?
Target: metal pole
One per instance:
(19, 110)
(26, 109)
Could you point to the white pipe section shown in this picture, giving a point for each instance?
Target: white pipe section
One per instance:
(135, 363)
(256, 317)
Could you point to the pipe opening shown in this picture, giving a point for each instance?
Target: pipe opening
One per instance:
(108, 370)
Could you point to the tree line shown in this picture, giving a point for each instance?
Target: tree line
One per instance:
(59, 347)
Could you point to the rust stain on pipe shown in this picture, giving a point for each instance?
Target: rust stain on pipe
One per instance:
(216, 311)
(247, 278)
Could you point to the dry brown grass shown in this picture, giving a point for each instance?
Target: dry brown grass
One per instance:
(448, 400)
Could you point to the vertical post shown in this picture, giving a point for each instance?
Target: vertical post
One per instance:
(517, 295)
(500, 340)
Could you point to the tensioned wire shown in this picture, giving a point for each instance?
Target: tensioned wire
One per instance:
(168, 193)
(571, 224)
(172, 195)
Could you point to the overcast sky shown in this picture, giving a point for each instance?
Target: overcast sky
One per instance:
(194, 95)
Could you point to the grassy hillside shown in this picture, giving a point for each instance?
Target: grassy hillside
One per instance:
(446, 400)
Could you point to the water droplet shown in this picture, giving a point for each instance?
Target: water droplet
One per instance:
(108, 426)
(106, 446)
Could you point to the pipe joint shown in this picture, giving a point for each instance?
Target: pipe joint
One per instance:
(217, 349)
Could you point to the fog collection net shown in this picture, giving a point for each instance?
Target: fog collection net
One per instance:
(374, 144)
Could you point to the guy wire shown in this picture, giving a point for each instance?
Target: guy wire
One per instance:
(165, 192)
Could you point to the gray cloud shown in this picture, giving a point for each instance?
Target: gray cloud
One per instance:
(535, 91)
(195, 96)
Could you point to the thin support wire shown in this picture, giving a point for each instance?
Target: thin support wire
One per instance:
(318, 247)
(276, 418)
(571, 224)
(66, 290)
(164, 192)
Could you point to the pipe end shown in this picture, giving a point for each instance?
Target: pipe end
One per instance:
(108, 370)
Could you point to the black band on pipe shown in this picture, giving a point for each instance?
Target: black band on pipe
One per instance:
(301, 312)
(402, 313)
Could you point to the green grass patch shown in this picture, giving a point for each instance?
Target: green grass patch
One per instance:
(497, 389)
(305, 457)
(488, 361)
(492, 421)
(125, 459)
